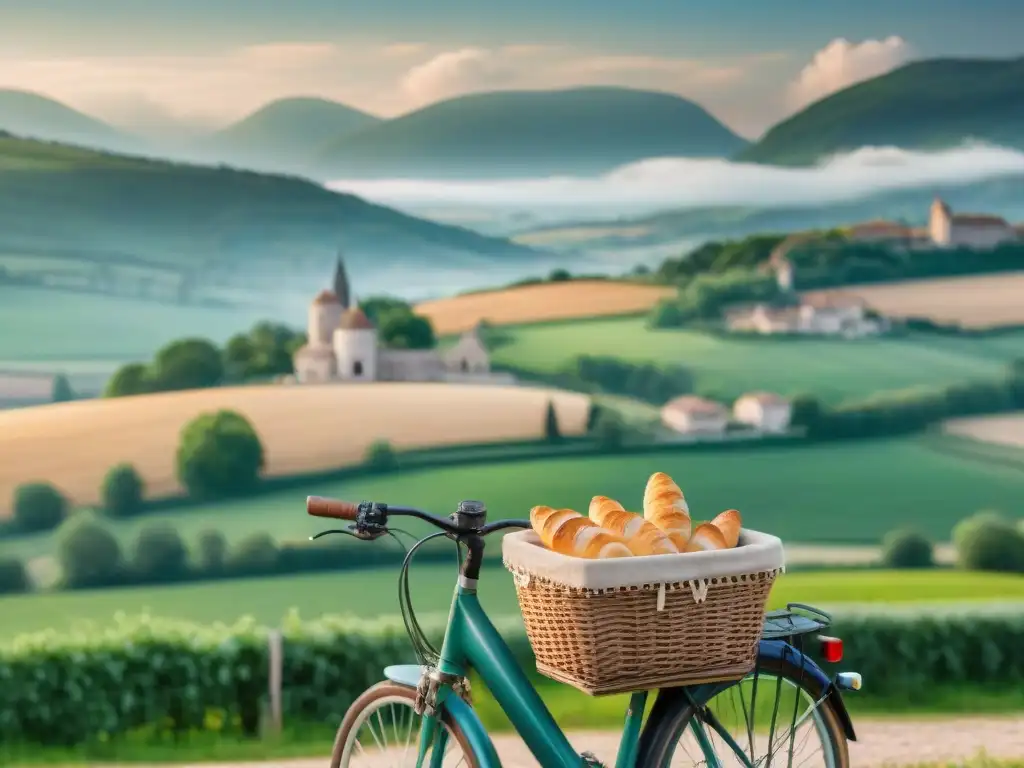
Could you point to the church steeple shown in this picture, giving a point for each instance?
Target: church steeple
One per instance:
(341, 287)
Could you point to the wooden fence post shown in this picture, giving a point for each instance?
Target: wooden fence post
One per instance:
(276, 661)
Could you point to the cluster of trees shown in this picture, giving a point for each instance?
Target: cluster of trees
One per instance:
(717, 258)
(891, 413)
(985, 541)
(398, 325)
(643, 381)
(704, 297)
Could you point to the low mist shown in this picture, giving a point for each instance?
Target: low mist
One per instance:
(659, 184)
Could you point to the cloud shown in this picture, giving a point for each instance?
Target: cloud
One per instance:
(456, 72)
(841, 64)
(675, 183)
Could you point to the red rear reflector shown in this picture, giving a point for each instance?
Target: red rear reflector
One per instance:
(831, 649)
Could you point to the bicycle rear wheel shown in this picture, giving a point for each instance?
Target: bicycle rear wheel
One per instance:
(777, 716)
(381, 728)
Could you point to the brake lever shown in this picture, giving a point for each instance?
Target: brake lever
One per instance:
(355, 532)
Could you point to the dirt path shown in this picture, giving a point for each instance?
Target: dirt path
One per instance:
(880, 743)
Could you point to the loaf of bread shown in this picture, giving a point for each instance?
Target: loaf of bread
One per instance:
(569, 533)
(729, 523)
(706, 537)
(642, 537)
(666, 508)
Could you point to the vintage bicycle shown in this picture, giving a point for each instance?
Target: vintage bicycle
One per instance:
(421, 714)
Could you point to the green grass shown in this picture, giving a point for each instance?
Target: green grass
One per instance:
(573, 711)
(375, 592)
(832, 369)
(852, 492)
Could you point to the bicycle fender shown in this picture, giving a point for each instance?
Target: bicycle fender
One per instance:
(782, 651)
(462, 715)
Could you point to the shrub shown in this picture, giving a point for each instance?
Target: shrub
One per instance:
(609, 431)
(159, 554)
(13, 576)
(62, 391)
(551, 431)
(380, 457)
(987, 541)
(907, 549)
(122, 491)
(254, 555)
(219, 455)
(131, 379)
(187, 364)
(88, 553)
(39, 507)
(211, 548)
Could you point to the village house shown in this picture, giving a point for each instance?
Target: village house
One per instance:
(765, 411)
(694, 415)
(826, 314)
(342, 345)
(967, 230)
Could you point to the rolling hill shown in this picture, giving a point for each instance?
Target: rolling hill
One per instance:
(28, 114)
(86, 205)
(583, 131)
(283, 135)
(930, 104)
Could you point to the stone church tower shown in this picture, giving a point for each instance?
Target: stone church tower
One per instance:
(341, 286)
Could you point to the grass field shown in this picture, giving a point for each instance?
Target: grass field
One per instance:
(543, 302)
(303, 429)
(727, 367)
(840, 493)
(1000, 430)
(980, 301)
(375, 593)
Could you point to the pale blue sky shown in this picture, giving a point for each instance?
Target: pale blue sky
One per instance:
(212, 60)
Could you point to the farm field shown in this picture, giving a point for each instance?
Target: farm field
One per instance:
(834, 370)
(303, 429)
(375, 593)
(999, 430)
(977, 301)
(543, 302)
(851, 492)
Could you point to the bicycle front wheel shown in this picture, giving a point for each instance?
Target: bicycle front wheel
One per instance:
(381, 728)
(774, 717)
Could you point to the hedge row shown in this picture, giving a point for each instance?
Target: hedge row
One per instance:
(67, 689)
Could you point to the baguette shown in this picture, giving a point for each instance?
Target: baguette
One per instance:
(642, 537)
(666, 508)
(729, 523)
(706, 537)
(569, 533)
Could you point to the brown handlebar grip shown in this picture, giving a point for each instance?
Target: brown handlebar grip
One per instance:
(318, 506)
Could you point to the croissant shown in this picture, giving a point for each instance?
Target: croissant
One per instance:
(706, 536)
(729, 523)
(569, 533)
(642, 537)
(665, 507)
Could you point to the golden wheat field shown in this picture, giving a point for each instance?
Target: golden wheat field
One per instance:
(974, 302)
(1003, 430)
(545, 301)
(303, 428)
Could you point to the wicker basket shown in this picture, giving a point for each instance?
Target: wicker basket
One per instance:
(640, 623)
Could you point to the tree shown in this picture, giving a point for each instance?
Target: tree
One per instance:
(376, 307)
(380, 457)
(62, 391)
(559, 276)
(609, 431)
(187, 364)
(122, 491)
(238, 357)
(806, 412)
(159, 554)
(211, 550)
(551, 431)
(256, 554)
(907, 549)
(88, 553)
(131, 379)
(219, 454)
(13, 576)
(401, 329)
(987, 541)
(38, 507)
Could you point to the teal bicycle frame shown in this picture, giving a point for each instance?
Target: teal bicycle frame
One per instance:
(472, 642)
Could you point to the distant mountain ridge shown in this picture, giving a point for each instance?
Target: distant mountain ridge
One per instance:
(282, 135)
(579, 131)
(932, 104)
(23, 113)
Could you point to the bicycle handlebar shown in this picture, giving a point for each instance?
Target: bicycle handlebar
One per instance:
(368, 514)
